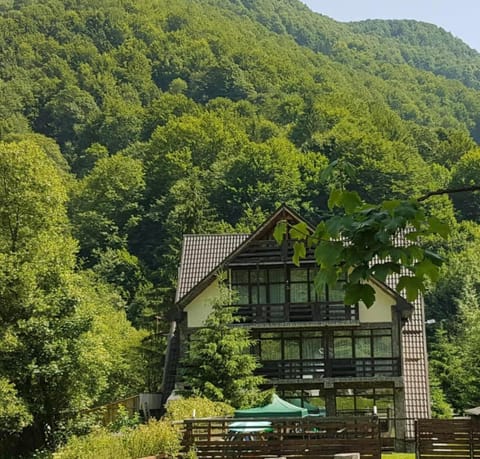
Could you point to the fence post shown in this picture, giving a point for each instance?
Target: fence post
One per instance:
(472, 454)
(417, 440)
(188, 434)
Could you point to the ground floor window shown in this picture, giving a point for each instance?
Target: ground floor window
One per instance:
(363, 401)
(311, 399)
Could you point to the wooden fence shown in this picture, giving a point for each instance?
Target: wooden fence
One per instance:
(302, 438)
(448, 439)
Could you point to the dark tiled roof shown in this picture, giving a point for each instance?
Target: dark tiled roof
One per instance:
(414, 352)
(202, 253)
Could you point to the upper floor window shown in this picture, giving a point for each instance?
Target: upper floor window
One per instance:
(281, 285)
(259, 286)
(285, 345)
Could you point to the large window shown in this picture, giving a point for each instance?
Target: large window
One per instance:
(311, 399)
(363, 401)
(297, 345)
(375, 343)
(282, 285)
(259, 286)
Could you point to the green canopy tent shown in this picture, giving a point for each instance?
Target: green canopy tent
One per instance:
(313, 410)
(277, 408)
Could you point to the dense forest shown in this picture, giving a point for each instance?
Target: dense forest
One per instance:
(125, 124)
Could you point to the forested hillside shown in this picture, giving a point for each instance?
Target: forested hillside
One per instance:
(125, 124)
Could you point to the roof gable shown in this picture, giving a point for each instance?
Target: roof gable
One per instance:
(203, 255)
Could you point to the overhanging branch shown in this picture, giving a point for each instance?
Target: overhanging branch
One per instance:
(448, 191)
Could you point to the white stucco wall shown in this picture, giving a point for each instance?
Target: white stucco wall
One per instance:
(381, 311)
(201, 306)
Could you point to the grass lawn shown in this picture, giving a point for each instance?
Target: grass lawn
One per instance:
(398, 456)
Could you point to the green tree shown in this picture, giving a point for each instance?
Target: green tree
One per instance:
(454, 357)
(39, 329)
(14, 415)
(466, 172)
(105, 207)
(218, 364)
(460, 268)
(358, 242)
(55, 332)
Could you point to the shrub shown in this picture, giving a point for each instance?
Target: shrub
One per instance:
(184, 408)
(156, 437)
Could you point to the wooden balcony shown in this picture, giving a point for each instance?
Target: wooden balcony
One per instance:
(267, 251)
(330, 368)
(305, 312)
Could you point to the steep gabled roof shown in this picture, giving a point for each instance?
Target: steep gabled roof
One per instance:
(203, 255)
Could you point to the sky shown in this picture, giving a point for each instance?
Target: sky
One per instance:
(460, 17)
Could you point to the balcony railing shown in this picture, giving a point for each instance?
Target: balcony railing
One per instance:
(268, 251)
(330, 368)
(304, 312)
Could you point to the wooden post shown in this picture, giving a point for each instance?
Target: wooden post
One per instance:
(417, 439)
(472, 455)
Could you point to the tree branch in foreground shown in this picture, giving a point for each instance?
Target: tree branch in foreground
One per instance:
(448, 191)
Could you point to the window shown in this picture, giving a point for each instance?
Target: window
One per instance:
(271, 346)
(311, 399)
(342, 345)
(376, 343)
(281, 285)
(301, 287)
(259, 286)
(382, 343)
(298, 345)
(362, 401)
(312, 345)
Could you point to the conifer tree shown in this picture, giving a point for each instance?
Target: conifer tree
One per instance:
(218, 364)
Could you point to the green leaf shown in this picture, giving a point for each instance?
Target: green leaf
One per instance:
(328, 253)
(415, 252)
(335, 198)
(350, 201)
(427, 268)
(349, 169)
(329, 172)
(359, 292)
(324, 277)
(360, 273)
(299, 251)
(438, 227)
(335, 225)
(413, 236)
(408, 210)
(382, 270)
(412, 286)
(280, 231)
(394, 224)
(299, 231)
(390, 206)
(435, 258)
(320, 231)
